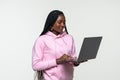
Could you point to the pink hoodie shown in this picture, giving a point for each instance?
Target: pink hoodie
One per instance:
(47, 49)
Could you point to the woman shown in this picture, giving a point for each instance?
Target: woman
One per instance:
(54, 50)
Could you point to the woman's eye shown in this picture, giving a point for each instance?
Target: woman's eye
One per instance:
(59, 22)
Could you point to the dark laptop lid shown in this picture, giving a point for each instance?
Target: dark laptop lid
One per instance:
(89, 48)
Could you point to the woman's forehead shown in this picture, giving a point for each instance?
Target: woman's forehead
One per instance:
(61, 17)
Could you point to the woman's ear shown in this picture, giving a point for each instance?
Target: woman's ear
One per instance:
(51, 29)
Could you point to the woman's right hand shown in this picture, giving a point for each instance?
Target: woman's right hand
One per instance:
(64, 59)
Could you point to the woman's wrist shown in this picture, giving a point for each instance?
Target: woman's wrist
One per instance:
(76, 63)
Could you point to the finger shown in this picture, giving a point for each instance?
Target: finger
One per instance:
(84, 61)
(70, 59)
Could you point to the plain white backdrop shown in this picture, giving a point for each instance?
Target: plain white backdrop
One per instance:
(21, 22)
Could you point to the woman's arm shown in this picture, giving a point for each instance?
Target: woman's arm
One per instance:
(37, 57)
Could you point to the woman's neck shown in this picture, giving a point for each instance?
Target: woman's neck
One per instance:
(55, 32)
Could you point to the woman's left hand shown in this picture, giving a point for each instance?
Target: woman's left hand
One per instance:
(76, 63)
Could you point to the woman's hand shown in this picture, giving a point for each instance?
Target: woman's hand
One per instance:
(64, 59)
(76, 63)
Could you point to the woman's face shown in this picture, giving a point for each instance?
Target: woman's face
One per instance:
(59, 25)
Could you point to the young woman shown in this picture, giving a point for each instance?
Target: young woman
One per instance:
(53, 53)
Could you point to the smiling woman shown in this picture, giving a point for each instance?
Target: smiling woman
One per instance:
(53, 55)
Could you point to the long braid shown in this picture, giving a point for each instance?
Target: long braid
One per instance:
(40, 75)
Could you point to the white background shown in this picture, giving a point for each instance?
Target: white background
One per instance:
(21, 22)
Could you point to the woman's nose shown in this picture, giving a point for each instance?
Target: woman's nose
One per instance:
(63, 25)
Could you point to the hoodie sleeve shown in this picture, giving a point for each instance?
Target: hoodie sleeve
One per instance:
(38, 55)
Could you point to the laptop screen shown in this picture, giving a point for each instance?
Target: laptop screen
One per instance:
(89, 48)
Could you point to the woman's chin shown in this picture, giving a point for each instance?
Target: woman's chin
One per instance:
(61, 32)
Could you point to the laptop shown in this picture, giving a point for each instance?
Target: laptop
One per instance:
(89, 48)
